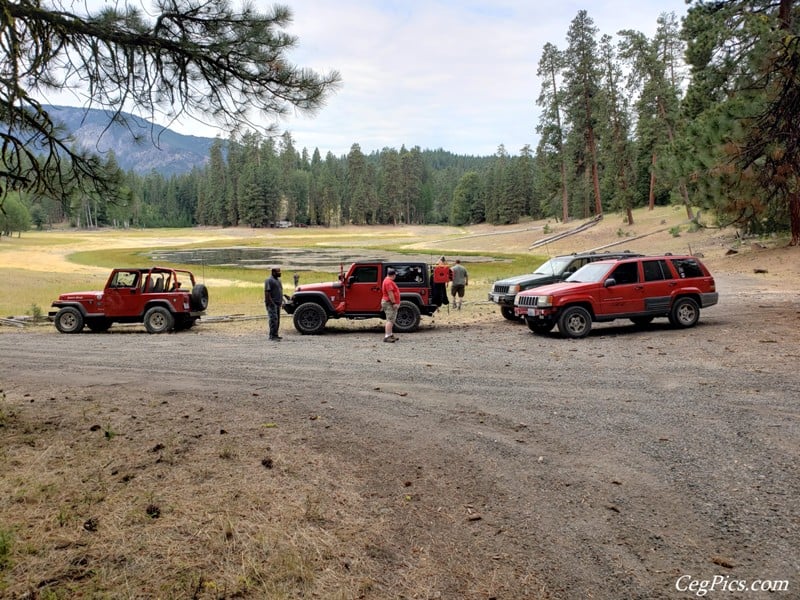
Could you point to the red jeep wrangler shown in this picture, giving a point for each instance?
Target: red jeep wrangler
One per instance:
(357, 295)
(161, 298)
(639, 289)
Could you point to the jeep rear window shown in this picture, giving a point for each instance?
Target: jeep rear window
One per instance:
(408, 274)
(687, 267)
(656, 270)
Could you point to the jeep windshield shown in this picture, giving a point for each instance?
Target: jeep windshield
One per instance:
(590, 273)
(554, 266)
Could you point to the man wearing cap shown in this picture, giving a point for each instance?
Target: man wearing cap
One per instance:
(390, 301)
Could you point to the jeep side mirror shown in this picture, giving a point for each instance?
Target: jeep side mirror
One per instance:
(609, 282)
(351, 279)
(566, 274)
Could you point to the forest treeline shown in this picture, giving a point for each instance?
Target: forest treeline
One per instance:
(700, 114)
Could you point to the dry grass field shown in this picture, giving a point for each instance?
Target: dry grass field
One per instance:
(206, 465)
(37, 266)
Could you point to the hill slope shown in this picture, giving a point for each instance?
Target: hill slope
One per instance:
(140, 147)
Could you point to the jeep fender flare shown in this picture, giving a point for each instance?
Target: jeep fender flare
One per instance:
(316, 297)
(163, 303)
(75, 305)
(577, 301)
(415, 298)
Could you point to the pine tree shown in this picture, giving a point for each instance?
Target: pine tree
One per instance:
(550, 127)
(581, 78)
(190, 58)
(749, 52)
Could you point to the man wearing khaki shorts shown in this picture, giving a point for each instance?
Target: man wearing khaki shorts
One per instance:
(390, 301)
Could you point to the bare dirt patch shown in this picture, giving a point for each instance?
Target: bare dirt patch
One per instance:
(472, 459)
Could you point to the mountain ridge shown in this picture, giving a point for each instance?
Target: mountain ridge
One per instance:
(157, 148)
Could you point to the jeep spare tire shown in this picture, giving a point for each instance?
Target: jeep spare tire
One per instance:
(408, 317)
(199, 297)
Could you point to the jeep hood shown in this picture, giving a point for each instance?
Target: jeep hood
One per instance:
(316, 287)
(558, 289)
(80, 295)
(520, 279)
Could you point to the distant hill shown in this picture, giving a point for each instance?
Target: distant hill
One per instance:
(160, 149)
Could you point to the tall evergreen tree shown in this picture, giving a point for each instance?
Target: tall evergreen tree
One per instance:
(550, 128)
(467, 200)
(618, 168)
(214, 206)
(752, 48)
(582, 84)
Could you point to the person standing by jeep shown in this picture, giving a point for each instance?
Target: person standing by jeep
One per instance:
(460, 282)
(273, 299)
(442, 274)
(390, 302)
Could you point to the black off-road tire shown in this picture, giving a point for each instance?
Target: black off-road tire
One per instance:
(575, 322)
(685, 313)
(408, 317)
(508, 313)
(158, 320)
(198, 299)
(69, 320)
(310, 318)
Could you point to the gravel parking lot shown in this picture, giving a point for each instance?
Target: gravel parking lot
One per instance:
(495, 463)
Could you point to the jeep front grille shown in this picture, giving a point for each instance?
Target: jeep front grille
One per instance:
(500, 289)
(526, 300)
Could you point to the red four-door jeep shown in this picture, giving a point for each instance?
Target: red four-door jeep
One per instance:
(639, 289)
(357, 295)
(161, 298)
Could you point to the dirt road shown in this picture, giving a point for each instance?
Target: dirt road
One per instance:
(477, 460)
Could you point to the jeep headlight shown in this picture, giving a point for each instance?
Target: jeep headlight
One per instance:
(544, 301)
(513, 289)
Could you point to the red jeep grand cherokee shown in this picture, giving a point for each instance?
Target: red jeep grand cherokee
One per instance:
(639, 289)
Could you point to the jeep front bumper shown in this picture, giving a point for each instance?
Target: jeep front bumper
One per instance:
(502, 299)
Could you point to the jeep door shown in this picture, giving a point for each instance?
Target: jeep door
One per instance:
(659, 285)
(626, 295)
(363, 292)
(122, 296)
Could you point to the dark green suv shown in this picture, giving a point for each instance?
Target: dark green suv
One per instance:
(554, 270)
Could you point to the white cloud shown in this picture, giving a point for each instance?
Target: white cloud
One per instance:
(457, 75)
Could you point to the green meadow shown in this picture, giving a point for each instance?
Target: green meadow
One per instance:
(39, 265)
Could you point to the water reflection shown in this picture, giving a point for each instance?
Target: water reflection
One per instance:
(296, 259)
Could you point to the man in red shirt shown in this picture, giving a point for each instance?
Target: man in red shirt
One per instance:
(390, 301)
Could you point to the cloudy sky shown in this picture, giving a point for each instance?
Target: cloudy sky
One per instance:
(453, 74)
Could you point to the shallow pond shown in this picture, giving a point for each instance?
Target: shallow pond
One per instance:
(290, 259)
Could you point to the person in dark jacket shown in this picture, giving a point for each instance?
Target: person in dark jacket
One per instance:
(273, 300)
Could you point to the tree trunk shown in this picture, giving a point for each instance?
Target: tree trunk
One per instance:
(598, 205)
(564, 194)
(794, 218)
(651, 200)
